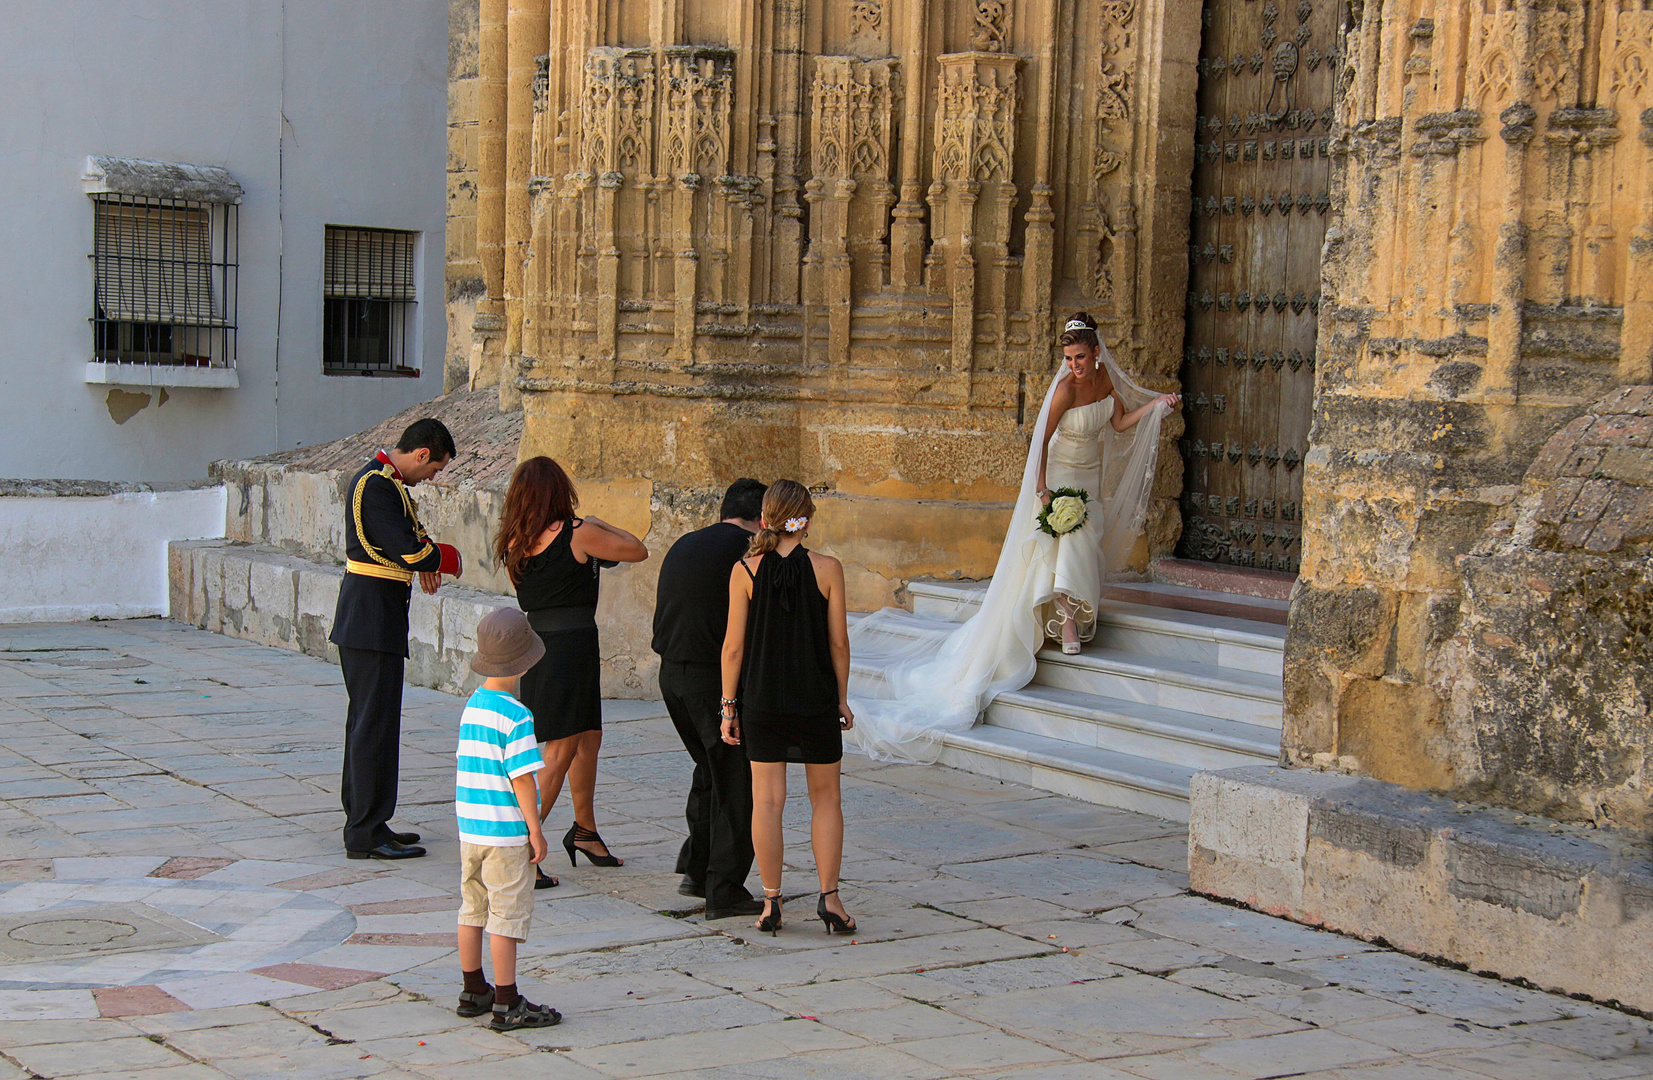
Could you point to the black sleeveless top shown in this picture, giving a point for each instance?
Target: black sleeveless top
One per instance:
(556, 579)
(787, 670)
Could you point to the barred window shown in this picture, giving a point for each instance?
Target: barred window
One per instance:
(368, 302)
(165, 276)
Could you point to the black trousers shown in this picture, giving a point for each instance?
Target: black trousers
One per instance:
(719, 811)
(372, 745)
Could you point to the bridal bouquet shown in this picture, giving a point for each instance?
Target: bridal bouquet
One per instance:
(1068, 510)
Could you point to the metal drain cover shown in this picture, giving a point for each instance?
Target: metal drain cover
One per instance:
(95, 929)
(72, 933)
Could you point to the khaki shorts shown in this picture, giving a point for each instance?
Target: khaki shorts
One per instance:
(496, 888)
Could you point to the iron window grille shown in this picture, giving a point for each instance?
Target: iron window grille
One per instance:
(165, 276)
(368, 302)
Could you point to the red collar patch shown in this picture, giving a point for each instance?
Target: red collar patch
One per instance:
(384, 459)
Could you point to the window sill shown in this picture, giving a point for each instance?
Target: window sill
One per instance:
(371, 373)
(103, 373)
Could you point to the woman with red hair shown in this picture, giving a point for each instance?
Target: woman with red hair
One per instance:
(554, 559)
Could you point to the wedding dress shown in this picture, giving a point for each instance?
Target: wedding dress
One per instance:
(1074, 460)
(915, 678)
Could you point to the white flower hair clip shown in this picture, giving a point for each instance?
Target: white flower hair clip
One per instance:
(1075, 324)
(797, 524)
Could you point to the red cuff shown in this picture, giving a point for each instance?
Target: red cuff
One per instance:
(450, 560)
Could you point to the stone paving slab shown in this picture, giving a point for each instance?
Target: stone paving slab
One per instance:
(1005, 933)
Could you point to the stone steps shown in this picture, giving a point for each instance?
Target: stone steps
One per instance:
(1081, 772)
(1132, 727)
(959, 599)
(1229, 693)
(1202, 601)
(1178, 680)
(1218, 640)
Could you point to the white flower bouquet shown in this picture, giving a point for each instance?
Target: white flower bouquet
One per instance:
(1068, 509)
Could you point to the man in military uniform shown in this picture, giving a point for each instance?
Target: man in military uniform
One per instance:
(385, 546)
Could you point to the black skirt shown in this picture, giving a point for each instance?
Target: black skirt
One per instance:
(811, 740)
(564, 690)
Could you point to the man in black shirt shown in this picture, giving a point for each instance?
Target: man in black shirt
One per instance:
(691, 613)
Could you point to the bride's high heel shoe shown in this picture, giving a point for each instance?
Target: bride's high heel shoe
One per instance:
(1070, 629)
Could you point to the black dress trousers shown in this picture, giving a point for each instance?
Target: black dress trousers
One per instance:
(719, 811)
(372, 745)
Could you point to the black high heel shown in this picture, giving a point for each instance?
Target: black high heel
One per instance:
(771, 920)
(576, 835)
(542, 880)
(835, 923)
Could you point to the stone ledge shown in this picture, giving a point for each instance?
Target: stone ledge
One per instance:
(102, 373)
(1567, 908)
(273, 598)
(93, 489)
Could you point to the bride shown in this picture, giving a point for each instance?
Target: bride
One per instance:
(916, 678)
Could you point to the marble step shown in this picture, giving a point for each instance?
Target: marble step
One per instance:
(1216, 640)
(956, 600)
(1187, 686)
(1249, 643)
(1201, 601)
(1134, 728)
(1081, 772)
(959, 599)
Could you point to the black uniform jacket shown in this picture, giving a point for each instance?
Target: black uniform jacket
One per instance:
(384, 546)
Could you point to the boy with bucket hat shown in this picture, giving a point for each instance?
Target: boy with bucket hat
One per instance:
(497, 803)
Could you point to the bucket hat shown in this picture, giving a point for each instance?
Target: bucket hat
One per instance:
(505, 644)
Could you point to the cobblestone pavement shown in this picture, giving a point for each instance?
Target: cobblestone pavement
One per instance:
(179, 790)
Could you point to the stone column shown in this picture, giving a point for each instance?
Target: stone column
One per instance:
(853, 111)
(907, 230)
(1636, 345)
(971, 197)
(1038, 260)
(488, 330)
(696, 100)
(528, 33)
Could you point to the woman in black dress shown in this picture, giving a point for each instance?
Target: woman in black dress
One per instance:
(785, 681)
(553, 558)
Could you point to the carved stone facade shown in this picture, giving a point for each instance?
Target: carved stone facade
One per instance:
(1472, 616)
(828, 241)
(835, 242)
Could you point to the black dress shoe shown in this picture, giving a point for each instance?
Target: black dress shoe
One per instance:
(749, 906)
(390, 849)
(690, 887)
(405, 838)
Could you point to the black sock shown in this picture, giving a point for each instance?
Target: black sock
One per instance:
(505, 995)
(474, 982)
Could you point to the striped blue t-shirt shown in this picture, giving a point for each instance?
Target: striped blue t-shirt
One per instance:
(496, 745)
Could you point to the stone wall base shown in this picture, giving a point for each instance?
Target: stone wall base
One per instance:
(266, 596)
(1567, 908)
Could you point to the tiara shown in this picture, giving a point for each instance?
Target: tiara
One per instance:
(1076, 324)
(797, 524)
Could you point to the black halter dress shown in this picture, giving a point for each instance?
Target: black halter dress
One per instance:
(558, 592)
(788, 689)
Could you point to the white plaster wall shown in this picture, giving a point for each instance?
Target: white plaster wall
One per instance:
(326, 112)
(102, 556)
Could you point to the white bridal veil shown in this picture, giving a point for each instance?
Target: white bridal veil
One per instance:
(915, 678)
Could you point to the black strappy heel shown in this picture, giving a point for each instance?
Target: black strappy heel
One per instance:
(771, 920)
(577, 834)
(835, 923)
